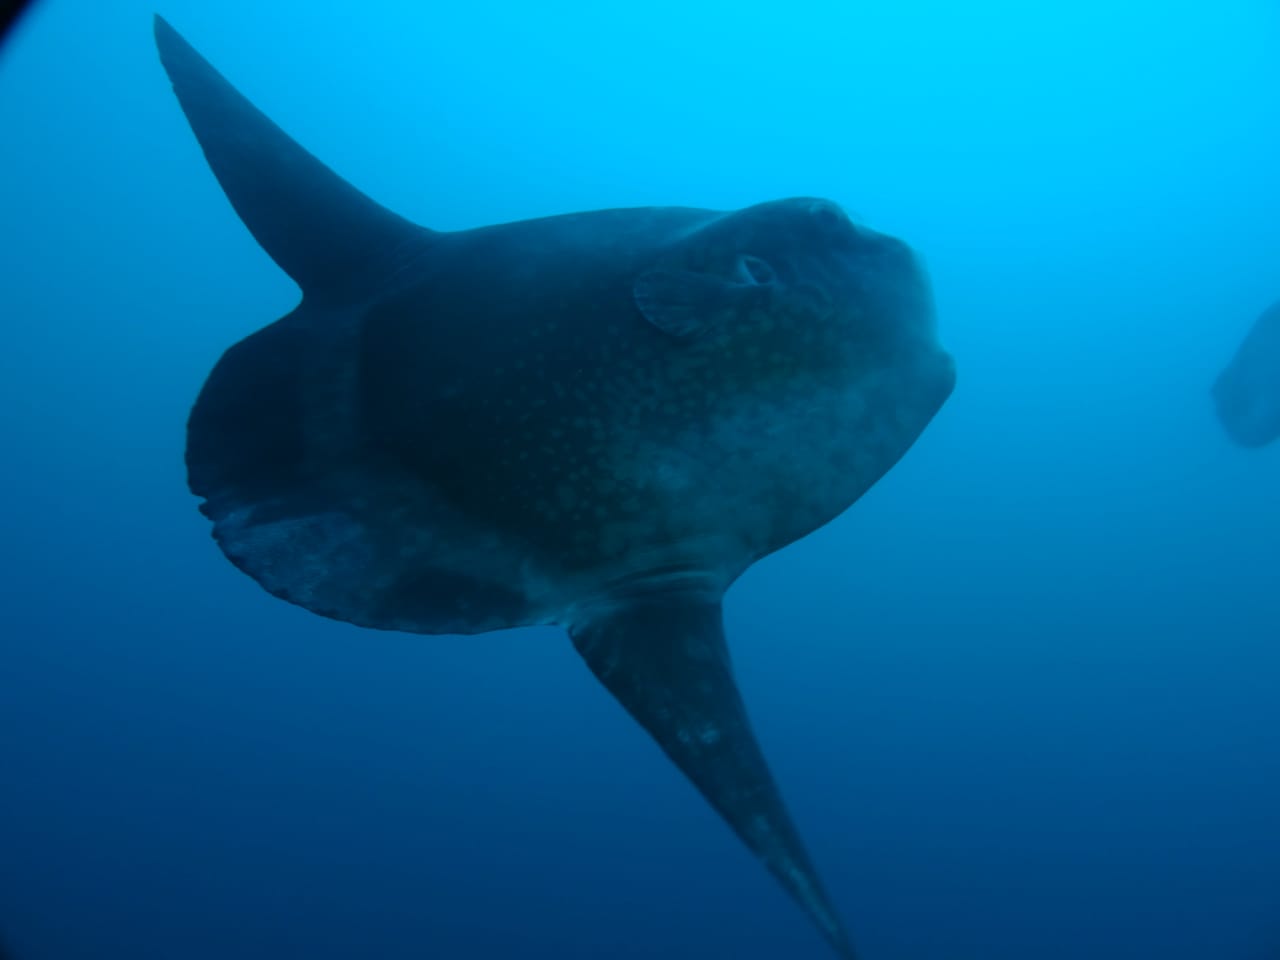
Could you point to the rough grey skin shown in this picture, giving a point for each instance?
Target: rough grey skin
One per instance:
(597, 420)
(1247, 393)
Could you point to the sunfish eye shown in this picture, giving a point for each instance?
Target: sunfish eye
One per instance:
(755, 270)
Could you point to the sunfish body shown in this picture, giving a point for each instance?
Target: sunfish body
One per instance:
(597, 420)
(1247, 392)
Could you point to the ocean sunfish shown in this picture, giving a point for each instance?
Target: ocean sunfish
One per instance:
(1247, 392)
(597, 421)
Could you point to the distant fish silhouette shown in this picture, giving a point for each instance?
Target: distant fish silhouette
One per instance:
(1247, 392)
(597, 420)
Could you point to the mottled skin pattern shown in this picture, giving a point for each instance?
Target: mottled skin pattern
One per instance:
(611, 448)
(597, 420)
(1247, 393)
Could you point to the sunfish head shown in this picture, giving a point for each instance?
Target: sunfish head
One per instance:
(851, 300)
(814, 339)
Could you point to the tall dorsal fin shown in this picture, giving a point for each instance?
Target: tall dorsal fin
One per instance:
(328, 236)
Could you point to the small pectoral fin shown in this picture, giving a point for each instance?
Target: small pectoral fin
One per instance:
(680, 302)
(664, 658)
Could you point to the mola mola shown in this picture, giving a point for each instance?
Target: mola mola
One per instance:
(1247, 392)
(597, 420)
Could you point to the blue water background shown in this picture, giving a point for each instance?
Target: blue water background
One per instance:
(1024, 698)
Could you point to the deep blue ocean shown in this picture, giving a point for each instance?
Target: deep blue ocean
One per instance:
(1023, 698)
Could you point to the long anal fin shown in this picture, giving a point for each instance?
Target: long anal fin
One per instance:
(664, 658)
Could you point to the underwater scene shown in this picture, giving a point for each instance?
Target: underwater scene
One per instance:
(670, 480)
